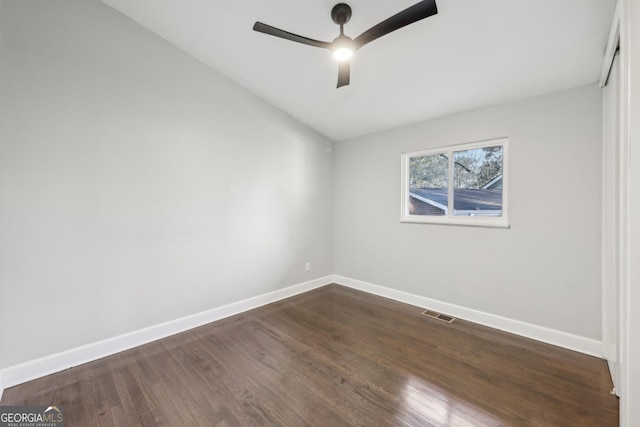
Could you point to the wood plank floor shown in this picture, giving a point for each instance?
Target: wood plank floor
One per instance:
(333, 357)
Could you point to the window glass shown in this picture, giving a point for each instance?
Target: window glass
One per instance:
(428, 191)
(477, 181)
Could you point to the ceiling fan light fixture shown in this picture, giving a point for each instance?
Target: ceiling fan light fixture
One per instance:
(342, 48)
(342, 54)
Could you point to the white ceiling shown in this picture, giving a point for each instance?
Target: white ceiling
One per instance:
(471, 54)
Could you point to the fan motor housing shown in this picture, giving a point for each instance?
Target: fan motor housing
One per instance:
(341, 13)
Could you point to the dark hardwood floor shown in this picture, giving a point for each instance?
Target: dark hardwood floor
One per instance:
(333, 357)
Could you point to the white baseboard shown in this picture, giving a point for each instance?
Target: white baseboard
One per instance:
(540, 333)
(27, 371)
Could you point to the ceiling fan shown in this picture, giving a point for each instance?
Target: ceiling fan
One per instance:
(343, 47)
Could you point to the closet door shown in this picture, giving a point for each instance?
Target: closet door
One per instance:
(611, 237)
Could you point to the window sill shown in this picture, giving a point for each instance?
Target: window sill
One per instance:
(463, 221)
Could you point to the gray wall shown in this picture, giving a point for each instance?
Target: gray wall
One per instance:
(544, 270)
(137, 185)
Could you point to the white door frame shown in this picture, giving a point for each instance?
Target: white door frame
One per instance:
(625, 31)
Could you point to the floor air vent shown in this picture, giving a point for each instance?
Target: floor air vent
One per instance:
(439, 316)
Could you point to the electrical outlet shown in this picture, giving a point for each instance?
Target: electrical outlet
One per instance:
(307, 267)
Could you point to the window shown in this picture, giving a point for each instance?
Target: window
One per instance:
(465, 185)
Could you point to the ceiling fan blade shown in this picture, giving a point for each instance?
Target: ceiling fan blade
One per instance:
(414, 13)
(344, 74)
(273, 31)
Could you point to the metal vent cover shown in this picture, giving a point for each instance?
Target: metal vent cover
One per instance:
(442, 317)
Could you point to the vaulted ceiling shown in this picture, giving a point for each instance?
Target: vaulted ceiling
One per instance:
(471, 54)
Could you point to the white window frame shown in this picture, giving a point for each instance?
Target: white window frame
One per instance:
(450, 219)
